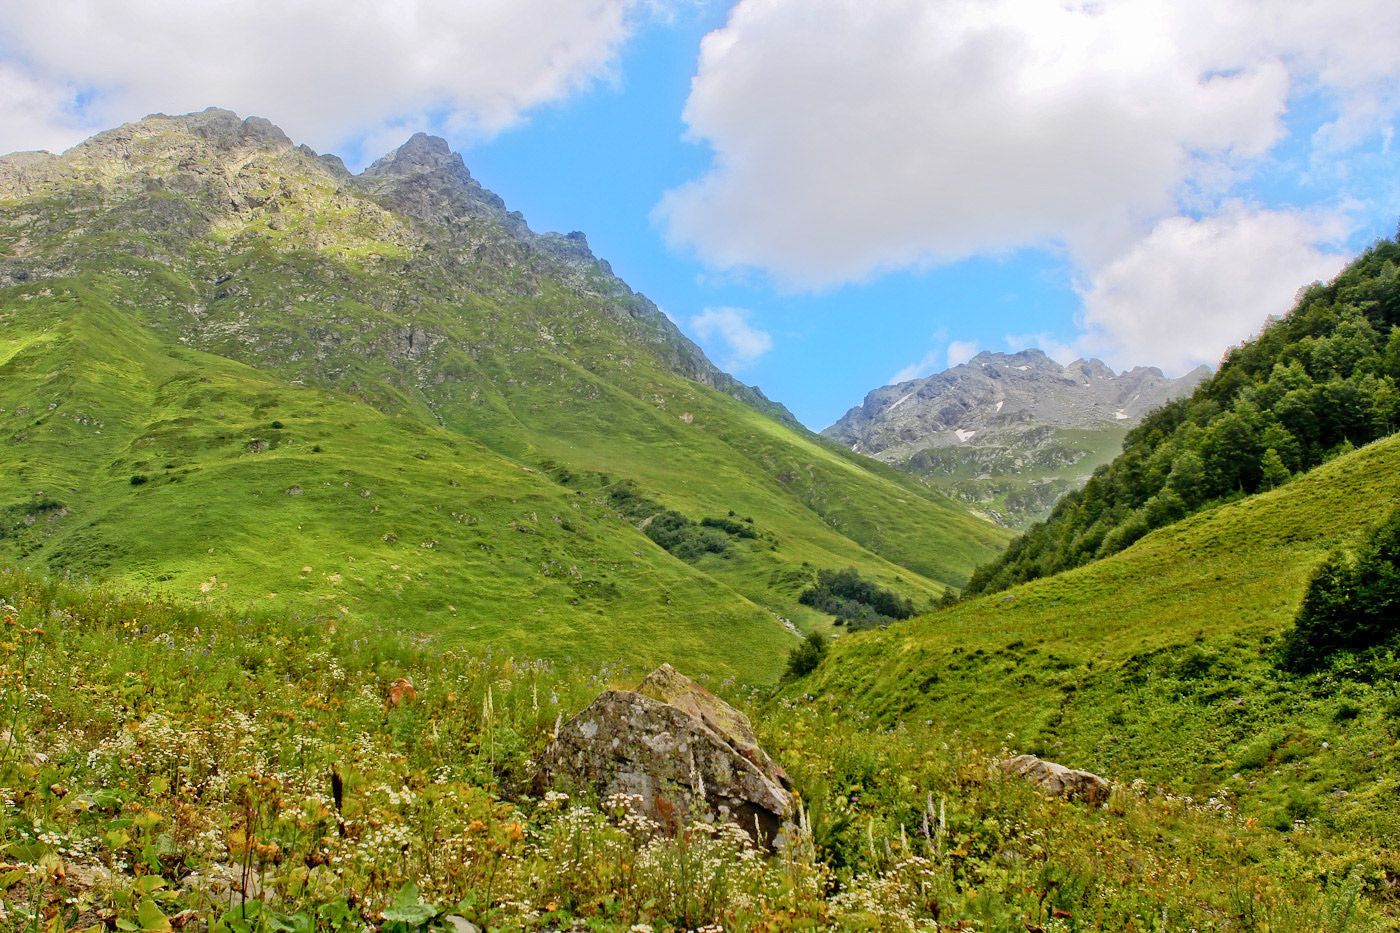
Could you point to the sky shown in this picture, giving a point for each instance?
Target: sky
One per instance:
(827, 195)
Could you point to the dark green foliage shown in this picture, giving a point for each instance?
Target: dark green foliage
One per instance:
(1318, 382)
(1351, 604)
(673, 531)
(626, 499)
(804, 659)
(855, 601)
(730, 526)
(683, 537)
(138, 478)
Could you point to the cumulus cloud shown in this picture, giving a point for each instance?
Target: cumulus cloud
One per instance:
(743, 342)
(1058, 350)
(36, 114)
(960, 351)
(325, 70)
(852, 138)
(1193, 287)
(923, 367)
(937, 359)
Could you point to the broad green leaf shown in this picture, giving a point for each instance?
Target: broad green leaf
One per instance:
(151, 917)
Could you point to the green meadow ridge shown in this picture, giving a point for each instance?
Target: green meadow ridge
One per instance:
(1162, 663)
(230, 370)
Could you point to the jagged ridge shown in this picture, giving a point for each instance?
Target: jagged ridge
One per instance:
(1012, 432)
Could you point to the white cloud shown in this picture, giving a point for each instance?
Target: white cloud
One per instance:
(38, 115)
(743, 342)
(1059, 351)
(924, 367)
(851, 138)
(960, 351)
(1193, 287)
(324, 70)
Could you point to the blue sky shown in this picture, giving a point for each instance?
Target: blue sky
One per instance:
(826, 194)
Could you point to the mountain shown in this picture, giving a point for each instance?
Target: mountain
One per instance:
(232, 370)
(1008, 433)
(1315, 383)
(1160, 663)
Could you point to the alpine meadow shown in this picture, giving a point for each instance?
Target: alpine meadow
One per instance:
(370, 561)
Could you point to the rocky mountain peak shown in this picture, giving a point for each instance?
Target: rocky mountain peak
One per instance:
(424, 210)
(422, 153)
(1008, 418)
(1092, 370)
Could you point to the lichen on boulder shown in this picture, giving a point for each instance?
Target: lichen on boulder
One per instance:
(679, 751)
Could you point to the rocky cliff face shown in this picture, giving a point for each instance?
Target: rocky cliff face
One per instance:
(1010, 432)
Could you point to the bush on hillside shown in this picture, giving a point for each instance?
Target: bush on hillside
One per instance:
(683, 538)
(804, 659)
(855, 601)
(1352, 604)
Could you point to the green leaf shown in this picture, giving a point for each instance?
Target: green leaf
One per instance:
(413, 916)
(151, 917)
(149, 884)
(407, 908)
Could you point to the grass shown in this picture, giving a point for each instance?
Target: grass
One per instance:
(392, 520)
(1159, 664)
(167, 765)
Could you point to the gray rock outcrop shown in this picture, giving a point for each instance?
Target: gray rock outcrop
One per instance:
(1056, 780)
(680, 751)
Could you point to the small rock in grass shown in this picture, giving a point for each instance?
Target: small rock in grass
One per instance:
(1058, 781)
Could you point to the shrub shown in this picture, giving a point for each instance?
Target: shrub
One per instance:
(804, 659)
(854, 600)
(1352, 604)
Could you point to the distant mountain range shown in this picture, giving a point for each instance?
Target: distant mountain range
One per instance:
(231, 370)
(1008, 433)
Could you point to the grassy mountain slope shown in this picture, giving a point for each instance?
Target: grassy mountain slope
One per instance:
(1157, 662)
(1313, 384)
(199, 477)
(432, 316)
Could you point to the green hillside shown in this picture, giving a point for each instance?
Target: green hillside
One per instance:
(196, 317)
(1315, 383)
(183, 473)
(1160, 663)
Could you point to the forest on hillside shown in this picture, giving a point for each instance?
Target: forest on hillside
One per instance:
(1314, 383)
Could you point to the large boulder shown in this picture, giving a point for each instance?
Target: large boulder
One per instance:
(680, 751)
(1058, 781)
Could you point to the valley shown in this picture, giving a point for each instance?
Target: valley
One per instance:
(330, 502)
